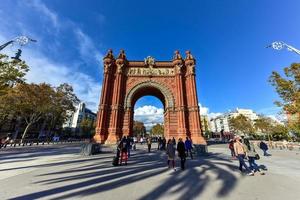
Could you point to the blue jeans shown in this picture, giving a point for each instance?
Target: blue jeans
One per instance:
(128, 151)
(241, 158)
(265, 152)
(253, 166)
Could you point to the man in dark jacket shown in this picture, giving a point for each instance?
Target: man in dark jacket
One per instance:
(264, 147)
(188, 147)
(181, 152)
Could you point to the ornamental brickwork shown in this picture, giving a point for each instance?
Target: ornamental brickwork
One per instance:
(124, 82)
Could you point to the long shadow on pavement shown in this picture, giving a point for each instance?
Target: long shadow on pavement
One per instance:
(189, 183)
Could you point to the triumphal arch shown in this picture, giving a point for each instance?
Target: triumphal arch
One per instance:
(125, 81)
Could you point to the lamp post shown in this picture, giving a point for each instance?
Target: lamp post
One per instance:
(281, 45)
(20, 40)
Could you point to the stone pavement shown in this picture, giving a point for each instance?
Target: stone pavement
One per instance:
(59, 172)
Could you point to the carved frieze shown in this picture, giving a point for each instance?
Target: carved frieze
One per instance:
(143, 71)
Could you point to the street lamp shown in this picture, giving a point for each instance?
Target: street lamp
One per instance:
(281, 45)
(22, 41)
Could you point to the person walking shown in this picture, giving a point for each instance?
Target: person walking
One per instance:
(181, 153)
(123, 147)
(171, 154)
(149, 142)
(188, 147)
(264, 147)
(164, 142)
(141, 140)
(240, 153)
(159, 141)
(128, 145)
(230, 146)
(252, 156)
(174, 142)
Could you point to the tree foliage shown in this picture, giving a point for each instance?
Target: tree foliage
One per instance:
(288, 89)
(263, 124)
(36, 102)
(11, 73)
(157, 129)
(241, 124)
(138, 128)
(279, 132)
(87, 126)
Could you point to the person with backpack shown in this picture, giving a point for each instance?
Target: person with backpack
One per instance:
(264, 147)
(188, 147)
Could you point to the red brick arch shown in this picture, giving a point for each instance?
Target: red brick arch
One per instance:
(173, 82)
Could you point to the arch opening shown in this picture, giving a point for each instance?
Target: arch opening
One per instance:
(148, 117)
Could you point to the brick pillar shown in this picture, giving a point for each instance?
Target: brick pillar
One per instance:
(128, 122)
(115, 129)
(193, 107)
(101, 127)
(180, 103)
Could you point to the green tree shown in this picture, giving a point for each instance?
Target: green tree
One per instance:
(280, 132)
(264, 124)
(86, 126)
(241, 124)
(62, 105)
(11, 73)
(157, 129)
(6, 110)
(288, 89)
(31, 102)
(138, 128)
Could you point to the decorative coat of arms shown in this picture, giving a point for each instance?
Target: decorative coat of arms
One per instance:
(149, 61)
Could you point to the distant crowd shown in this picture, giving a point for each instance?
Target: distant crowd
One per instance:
(184, 148)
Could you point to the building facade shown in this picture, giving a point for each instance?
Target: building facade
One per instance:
(76, 117)
(221, 122)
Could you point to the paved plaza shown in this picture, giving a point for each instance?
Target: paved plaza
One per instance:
(60, 172)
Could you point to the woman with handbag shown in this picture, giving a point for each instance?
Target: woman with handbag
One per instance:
(240, 152)
(252, 156)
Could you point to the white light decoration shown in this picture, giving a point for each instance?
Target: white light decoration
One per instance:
(281, 45)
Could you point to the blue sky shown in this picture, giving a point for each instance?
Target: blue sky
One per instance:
(227, 37)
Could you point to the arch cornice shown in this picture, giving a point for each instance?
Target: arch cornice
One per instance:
(169, 98)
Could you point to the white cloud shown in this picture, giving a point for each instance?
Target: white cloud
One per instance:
(86, 46)
(149, 115)
(269, 110)
(43, 9)
(42, 69)
(213, 115)
(203, 110)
